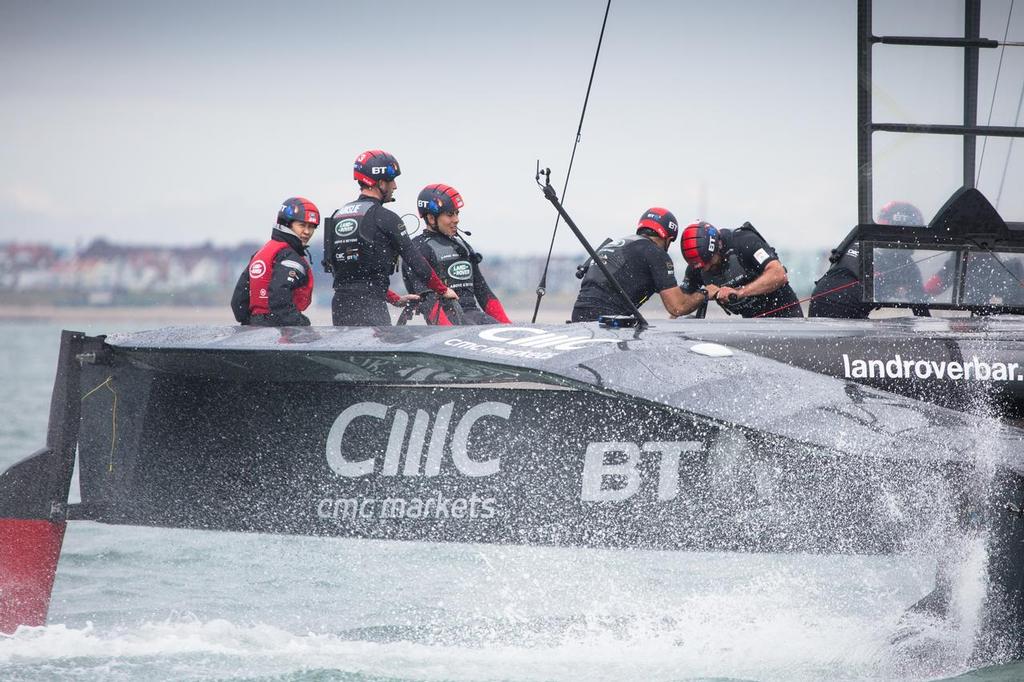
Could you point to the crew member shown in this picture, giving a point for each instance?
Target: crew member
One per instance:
(737, 269)
(840, 291)
(362, 245)
(454, 259)
(278, 283)
(641, 265)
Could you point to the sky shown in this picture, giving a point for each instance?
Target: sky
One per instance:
(150, 122)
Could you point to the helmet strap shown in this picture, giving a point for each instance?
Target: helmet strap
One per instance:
(373, 190)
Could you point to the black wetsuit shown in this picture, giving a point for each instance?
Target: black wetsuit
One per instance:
(290, 285)
(746, 255)
(642, 268)
(362, 243)
(458, 266)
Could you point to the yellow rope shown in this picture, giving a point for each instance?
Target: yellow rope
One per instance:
(113, 418)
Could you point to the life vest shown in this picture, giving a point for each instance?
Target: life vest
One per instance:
(610, 253)
(850, 260)
(733, 274)
(455, 265)
(346, 243)
(261, 270)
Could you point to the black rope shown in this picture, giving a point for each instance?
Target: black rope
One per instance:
(543, 285)
(995, 87)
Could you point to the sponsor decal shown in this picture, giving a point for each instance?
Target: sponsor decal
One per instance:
(761, 256)
(899, 367)
(522, 342)
(460, 270)
(257, 269)
(409, 455)
(352, 209)
(346, 227)
(538, 338)
(620, 480)
(353, 509)
(612, 245)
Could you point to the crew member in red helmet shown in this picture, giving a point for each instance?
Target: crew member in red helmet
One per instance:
(641, 265)
(362, 243)
(455, 261)
(840, 291)
(737, 269)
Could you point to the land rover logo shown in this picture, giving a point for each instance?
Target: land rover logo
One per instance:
(460, 270)
(346, 227)
(257, 268)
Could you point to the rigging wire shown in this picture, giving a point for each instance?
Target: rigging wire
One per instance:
(878, 275)
(107, 383)
(855, 282)
(1009, 147)
(995, 89)
(543, 284)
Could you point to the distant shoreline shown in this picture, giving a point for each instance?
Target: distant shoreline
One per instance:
(200, 314)
(551, 312)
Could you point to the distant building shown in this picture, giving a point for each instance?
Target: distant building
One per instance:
(105, 273)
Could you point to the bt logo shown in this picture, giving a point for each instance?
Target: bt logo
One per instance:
(595, 470)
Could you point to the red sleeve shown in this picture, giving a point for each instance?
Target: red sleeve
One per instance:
(495, 310)
(437, 313)
(435, 283)
(392, 297)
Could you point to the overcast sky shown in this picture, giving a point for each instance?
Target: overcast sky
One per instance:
(181, 122)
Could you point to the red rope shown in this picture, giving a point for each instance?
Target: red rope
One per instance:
(848, 284)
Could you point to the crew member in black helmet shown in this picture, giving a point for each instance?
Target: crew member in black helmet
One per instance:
(738, 270)
(840, 292)
(277, 285)
(641, 264)
(362, 243)
(454, 259)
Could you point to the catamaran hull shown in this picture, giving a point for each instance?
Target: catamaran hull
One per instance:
(565, 436)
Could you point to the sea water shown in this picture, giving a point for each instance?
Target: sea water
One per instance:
(164, 604)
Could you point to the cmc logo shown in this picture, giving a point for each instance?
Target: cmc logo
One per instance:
(257, 269)
(341, 443)
(346, 227)
(538, 338)
(460, 270)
